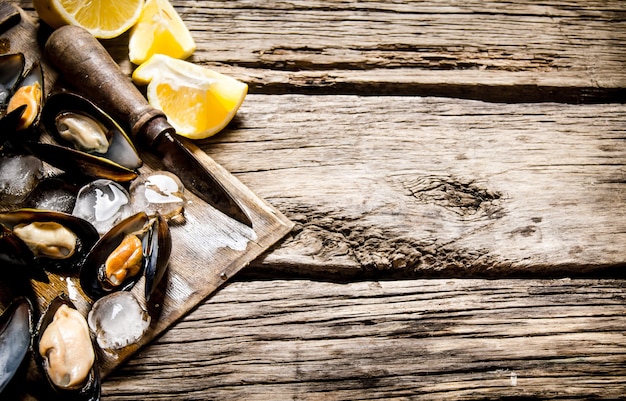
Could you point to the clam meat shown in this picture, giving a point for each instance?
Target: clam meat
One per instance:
(76, 122)
(139, 246)
(66, 349)
(124, 262)
(116, 261)
(65, 354)
(86, 133)
(29, 92)
(56, 240)
(47, 239)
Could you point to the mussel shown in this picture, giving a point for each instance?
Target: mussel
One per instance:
(56, 240)
(16, 327)
(88, 141)
(21, 100)
(11, 68)
(139, 246)
(29, 92)
(65, 354)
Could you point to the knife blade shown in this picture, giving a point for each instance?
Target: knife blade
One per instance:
(86, 65)
(177, 157)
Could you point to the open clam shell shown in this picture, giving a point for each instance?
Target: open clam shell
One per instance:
(158, 248)
(69, 326)
(92, 274)
(76, 122)
(58, 241)
(73, 161)
(111, 265)
(16, 328)
(11, 69)
(29, 91)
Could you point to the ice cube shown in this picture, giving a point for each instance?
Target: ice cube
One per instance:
(103, 203)
(19, 175)
(118, 320)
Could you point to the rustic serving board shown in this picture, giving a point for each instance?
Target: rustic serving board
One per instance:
(208, 248)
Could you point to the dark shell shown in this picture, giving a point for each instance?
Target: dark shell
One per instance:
(91, 390)
(121, 149)
(33, 76)
(11, 69)
(158, 248)
(13, 251)
(10, 137)
(90, 272)
(16, 328)
(80, 163)
(85, 232)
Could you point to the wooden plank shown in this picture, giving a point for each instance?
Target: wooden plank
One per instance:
(503, 51)
(208, 247)
(391, 340)
(426, 186)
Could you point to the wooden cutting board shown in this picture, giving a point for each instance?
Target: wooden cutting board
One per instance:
(208, 248)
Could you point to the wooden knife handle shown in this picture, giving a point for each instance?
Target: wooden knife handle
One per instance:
(87, 66)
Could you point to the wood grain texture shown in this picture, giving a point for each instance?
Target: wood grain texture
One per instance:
(208, 247)
(356, 129)
(414, 186)
(389, 340)
(502, 51)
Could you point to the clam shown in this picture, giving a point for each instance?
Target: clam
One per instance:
(158, 248)
(11, 68)
(56, 240)
(75, 121)
(73, 161)
(65, 353)
(29, 92)
(137, 247)
(88, 141)
(16, 326)
(21, 99)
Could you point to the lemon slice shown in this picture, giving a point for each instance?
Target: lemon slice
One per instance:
(104, 19)
(160, 30)
(197, 101)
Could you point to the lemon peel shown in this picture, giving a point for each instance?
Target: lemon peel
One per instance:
(159, 30)
(197, 101)
(104, 19)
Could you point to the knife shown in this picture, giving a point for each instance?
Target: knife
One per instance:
(86, 65)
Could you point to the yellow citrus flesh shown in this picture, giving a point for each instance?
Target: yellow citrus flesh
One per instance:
(104, 19)
(159, 30)
(197, 101)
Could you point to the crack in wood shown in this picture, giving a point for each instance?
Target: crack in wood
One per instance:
(465, 198)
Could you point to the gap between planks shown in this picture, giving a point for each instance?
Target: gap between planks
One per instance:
(414, 339)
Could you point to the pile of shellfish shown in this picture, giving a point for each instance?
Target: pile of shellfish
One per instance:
(84, 213)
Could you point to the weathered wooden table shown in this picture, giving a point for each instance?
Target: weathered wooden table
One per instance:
(456, 172)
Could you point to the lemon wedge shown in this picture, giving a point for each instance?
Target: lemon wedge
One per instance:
(160, 30)
(104, 19)
(197, 101)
